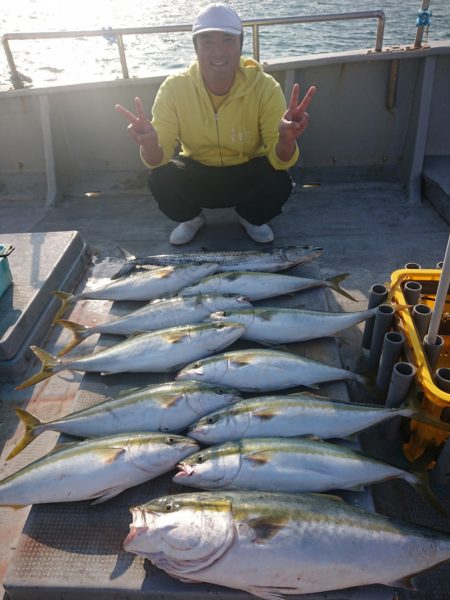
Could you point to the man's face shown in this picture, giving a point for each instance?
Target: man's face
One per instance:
(218, 55)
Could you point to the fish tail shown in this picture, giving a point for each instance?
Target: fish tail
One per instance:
(420, 482)
(80, 333)
(333, 283)
(30, 422)
(66, 300)
(49, 363)
(412, 408)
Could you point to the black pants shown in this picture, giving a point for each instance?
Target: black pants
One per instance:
(183, 187)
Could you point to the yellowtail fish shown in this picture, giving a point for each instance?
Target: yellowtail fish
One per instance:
(165, 407)
(292, 415)
(277, 259)
(159, 351)
(264, 370)
(286, 325)
(274, 544)
(95, 469)
(258, 286)
(278, 464)
(159, 314)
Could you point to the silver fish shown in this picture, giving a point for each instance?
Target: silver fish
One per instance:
(277, 259)
(143, 286)
(100, 468)
(270, 544)
(159, 314)
(291, 415)
(264, 370)
(165, 407)
(286, 325)
(160, 351)
(259, 286)
(276, 464)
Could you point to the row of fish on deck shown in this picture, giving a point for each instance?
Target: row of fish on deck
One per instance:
(258, 527)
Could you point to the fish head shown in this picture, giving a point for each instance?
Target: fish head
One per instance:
(302, 254)
(182, 533)
(216, 336)
(219, 302)
(211, 468)
(155, 450)
(221, 425)
(210, 397)
(211, 369)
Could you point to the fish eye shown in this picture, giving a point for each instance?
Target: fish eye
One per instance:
(168, 506)
(200, 459)
(170, 440)
(210, 420)
(226, 313)
(220, 325)
(196, 365)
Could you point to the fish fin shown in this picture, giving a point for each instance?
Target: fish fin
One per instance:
(175, 337)
(164, 272)
(265, 592)
(127, 255)
(112, 454)
(30, 422)
(405, 583)
(311, 395)
(332, 497)
(265, 414)
(79, 333)
(259, 459)
(333, 283)
(265, 528)
(240, 362)
(49, 363)
(14, 506)
(66, 300)
(108, 494)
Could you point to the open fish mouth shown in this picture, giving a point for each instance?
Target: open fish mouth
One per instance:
(184, 471)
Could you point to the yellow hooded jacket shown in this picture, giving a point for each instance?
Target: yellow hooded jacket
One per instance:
(244, 127)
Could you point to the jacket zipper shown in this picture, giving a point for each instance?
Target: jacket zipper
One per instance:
(216, 119)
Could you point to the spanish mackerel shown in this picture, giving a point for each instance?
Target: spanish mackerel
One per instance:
(142, 286)
(277, 259)
(159, 314)
(291, 415)
(286, 325)
(258, 286)
(276, 464)
(158, 351)
(264, 370)
(100, 468)
(270, 544)
(165, 407)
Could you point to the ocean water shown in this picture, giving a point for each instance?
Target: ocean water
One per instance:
(54, 62)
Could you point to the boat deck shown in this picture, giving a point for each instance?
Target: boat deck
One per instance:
(366, 229)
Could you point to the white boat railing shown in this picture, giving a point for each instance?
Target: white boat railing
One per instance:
(117, 35)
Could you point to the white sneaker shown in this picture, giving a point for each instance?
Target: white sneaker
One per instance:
(186, 231)
(259, 233)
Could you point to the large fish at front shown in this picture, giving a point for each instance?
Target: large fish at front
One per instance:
(264, 370)
(143, 286)
(273, 325)
(274, 544)
(258, 286)
(159, 351)
(95, 469)
(277, 259)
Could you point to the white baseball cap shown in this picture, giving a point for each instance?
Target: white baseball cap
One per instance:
(217, 17)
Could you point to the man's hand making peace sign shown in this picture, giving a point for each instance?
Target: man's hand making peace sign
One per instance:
(142, 132)
(294, 122)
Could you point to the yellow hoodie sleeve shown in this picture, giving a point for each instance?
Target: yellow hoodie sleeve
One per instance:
(165, 121)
